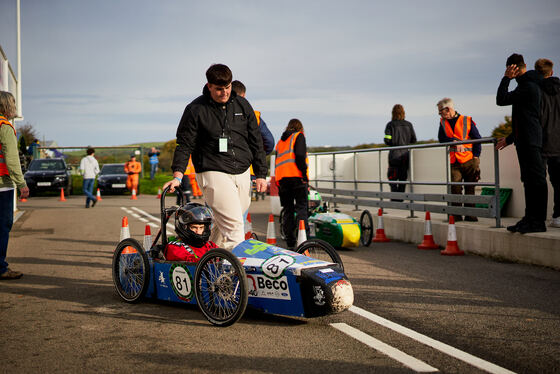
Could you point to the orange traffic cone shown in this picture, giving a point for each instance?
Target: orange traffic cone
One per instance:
(125, 232)
(270, 231)
(380, 232)
(23, 200)
(133, 197)
(428, 242)
(62, 195)
(248, 227)
(147, 238)
(302, 234)
(158, 193)
(99, 195)
(452, 248)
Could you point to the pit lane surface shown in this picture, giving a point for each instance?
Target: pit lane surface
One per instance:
(64, 315)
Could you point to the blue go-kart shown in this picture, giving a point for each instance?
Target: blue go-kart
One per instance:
(309, 282)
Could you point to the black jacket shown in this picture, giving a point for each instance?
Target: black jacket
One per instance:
(526, 108)
(550, 116)
(300, 151)
(399, 132)
(204, 122)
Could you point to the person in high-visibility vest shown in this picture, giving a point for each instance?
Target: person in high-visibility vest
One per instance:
(132, 168)
(464, 158)
(292, 177)
(10, 177)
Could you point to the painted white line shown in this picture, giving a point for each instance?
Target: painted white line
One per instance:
(442, 347)
(157, 219)
(394, 353)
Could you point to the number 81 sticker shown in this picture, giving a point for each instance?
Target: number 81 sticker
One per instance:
(181, 282)
(274, 266)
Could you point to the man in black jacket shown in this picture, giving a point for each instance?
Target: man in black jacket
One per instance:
(550, 120)
(527, 136)
(219, 129)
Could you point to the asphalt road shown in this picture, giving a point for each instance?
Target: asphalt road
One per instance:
(414, 310)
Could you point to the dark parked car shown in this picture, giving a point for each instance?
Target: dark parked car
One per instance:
(112, 179)
(48, 174)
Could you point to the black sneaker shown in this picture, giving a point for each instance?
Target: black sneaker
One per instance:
(457, 218)
(471, 219)
(93, 203)
(531, 226)
(515, 228)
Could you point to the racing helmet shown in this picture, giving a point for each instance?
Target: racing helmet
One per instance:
(314, 199)
(193, 213)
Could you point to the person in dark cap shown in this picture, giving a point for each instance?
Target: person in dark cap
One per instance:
(528, 138)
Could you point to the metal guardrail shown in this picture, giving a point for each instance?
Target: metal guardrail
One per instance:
(414, 201)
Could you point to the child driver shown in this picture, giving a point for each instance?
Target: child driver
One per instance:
(192, 224)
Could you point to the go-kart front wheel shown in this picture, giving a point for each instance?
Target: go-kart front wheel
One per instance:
(221, 287)
(366, 225)
(320, 250)
(131, 270)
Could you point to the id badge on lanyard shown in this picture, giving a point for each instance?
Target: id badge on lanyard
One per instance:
(222, 145)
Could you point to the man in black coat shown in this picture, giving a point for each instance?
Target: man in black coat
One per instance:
(550, 120)
(219, 129)
(527, 136)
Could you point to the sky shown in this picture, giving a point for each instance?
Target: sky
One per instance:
(114, 72)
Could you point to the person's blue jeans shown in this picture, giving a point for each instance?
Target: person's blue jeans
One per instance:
(153, 170)
(6, 222)
(88, 190)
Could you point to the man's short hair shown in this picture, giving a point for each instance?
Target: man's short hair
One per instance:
(219, 74)
(238, 87)
(90, 151)
(516, 59)
(446, 102)
(544, 66)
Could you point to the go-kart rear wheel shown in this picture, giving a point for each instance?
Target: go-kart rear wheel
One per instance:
(320, 250)
(131, 270)
(221, 287)
(366, 225)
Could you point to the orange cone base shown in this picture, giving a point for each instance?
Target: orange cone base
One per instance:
(380, 236)
(271, 241)
(452, 249)
(24, 200)
(428, 243)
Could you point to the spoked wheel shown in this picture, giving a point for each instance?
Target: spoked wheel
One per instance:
(221, 287)
(320, 250)
(131, 270)
(366, 225)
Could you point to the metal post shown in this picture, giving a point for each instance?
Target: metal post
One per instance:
(411, 178)
(447, 166)
(334, 175)
(497, 186)
(19, 106)
(355, 180)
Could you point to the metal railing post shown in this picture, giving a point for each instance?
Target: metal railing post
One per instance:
(355, 178)
(411, 179)
(497, 186)
(334, 175)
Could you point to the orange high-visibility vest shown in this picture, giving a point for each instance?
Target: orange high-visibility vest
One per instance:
(286, 159)
(461, 132)
(3, 166)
